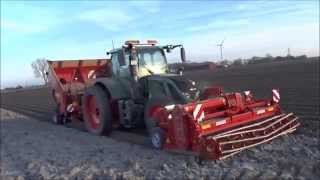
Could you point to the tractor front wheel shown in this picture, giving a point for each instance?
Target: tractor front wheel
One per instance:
(96, 111)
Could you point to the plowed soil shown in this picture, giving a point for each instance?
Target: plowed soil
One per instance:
(33, 149)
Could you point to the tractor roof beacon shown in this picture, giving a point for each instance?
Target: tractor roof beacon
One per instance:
(135, 89)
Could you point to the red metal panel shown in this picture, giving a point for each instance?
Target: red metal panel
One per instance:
(67, 78)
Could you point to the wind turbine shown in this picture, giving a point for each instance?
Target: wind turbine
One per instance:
(221, 47)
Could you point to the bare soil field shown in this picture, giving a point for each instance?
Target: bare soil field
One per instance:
(32, 148)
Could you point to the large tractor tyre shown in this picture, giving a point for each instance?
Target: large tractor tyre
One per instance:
(150, 108)
(97, 111)
(58, 117)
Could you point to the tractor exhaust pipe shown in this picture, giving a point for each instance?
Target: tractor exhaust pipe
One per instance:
(183, 54)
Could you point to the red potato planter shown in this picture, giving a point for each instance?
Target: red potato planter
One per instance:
(134, 88)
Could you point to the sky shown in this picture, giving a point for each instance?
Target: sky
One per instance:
(85, 29)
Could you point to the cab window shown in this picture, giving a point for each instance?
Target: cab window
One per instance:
(115, 63)
(126, 59)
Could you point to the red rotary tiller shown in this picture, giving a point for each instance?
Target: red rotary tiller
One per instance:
(220, 127)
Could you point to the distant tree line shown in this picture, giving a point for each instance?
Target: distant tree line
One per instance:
(20, 87)
(174, 67)
(258, 60)
(14, 88)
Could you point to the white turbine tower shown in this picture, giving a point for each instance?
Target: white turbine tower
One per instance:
(221, 47)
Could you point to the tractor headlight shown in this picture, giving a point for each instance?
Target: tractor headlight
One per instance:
(193, 93)
(170, 107)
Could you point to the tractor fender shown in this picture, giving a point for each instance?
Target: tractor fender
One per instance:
(115, 88)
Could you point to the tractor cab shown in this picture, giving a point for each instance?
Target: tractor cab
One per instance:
(146, 58)
(146, 64)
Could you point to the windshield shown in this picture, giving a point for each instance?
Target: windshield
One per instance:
(151, 57)
(150, 61)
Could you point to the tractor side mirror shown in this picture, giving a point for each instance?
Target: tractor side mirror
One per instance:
(183, 54)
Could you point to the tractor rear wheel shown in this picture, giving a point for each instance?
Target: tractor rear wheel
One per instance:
(96, 111)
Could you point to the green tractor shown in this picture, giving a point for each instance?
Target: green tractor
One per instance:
(140, 82)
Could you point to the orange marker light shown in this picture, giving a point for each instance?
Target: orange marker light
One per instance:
(270, 109)
(206, 126)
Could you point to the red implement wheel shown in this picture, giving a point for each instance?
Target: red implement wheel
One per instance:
(96, 111)
(151, 106)
(157, 136)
